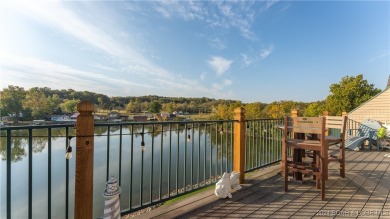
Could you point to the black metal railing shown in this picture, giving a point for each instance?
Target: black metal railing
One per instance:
(263, 142)
(153, 162)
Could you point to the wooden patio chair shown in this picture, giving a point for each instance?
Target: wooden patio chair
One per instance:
(358, 136)
(336, 132)
(308, 125)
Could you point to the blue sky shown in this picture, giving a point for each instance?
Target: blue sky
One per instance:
(245, 50)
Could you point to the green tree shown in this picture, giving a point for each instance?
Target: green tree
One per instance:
(36, 101)
(69, 106)
(348, 94)
(169, 107)
(275, 110)
(225, 111)
(11, 101)
(155, 107)
(254, 110)
(315, 109)
(53, 103)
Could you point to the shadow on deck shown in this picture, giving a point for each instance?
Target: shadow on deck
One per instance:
(364, 192)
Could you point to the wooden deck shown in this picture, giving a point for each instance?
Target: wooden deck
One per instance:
(363, 193)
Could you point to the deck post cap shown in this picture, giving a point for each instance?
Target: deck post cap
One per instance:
(85, 106)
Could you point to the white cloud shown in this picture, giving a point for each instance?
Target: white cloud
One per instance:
(218, 43)
(217, 86)
(220, 64)
(202, 76)
(222, 85)
(104, 67)
(246, 59)
(223, 14)
(31, 72)
(109, 43)
(58, 16)
(264, 53)
(270, 3)
(227, 82)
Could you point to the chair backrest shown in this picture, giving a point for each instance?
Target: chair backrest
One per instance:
(336, 125)
(312, 125)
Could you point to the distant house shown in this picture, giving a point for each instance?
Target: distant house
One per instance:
(114, 115)
(140, 118)
(59, 118)
(377, 108)
(99, 117)
(124, 117)
(74, 116)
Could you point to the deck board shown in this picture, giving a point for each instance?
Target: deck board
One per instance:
(364, 190)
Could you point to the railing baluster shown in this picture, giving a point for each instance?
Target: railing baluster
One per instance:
(142, 168)
(177, 158)
(131, 167)
(256, 127)
(184, 156)
(198, 169)
(49, 173)
(216, 153)
(220, 136)
(120, 154)
(205, 149)
(211, 153)
(231, 145)
(66, 176)
(9, 145)
(161, 160)
(192, 154)
(108, 153)
(169, 160)
(30, 167)
(151, 167)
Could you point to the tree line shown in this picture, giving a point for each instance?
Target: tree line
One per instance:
(36, 103)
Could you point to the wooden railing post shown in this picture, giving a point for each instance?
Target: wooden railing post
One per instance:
(344, 113)
(294, 113)
(84, 161)
(326, 113)
(239, 142)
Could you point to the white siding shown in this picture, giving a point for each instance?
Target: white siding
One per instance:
(377, 108)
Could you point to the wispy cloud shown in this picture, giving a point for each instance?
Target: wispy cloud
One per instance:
(58, 76)
(202, 76)
(218, 43)
(221, 86)
(216, 14)
(380, 56)
(127, 57)
(60, 17)
(104, 67)
(264, 53)
(269, 3)
(220, 64)
(246, 59)
(32, 71)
